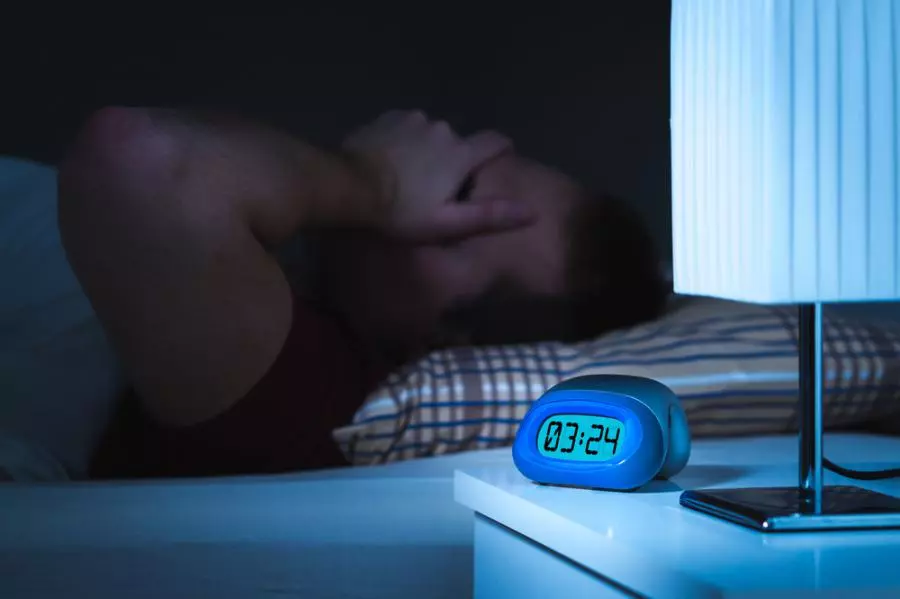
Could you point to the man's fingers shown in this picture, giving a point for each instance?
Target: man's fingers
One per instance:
(490, 216)
(485, 146)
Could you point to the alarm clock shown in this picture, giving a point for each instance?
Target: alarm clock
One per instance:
(609, 432)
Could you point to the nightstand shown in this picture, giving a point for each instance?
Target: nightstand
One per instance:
(541, 541)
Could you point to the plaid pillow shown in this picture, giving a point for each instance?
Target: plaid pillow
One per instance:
(733, 365)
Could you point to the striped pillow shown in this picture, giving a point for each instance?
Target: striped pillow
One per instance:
(733, 365)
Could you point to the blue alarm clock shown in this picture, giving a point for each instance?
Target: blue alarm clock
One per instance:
(610, 432)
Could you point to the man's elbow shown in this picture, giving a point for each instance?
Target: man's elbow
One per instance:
(117, 153)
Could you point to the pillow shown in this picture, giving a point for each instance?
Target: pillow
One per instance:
(733, 365)
(58, 375)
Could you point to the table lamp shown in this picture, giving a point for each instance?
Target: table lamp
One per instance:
(785, 121)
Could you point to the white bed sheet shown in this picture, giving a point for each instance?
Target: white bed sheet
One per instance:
(384, 531)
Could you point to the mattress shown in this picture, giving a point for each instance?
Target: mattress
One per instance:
(382, 531)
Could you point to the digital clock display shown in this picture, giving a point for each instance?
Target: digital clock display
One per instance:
(580, 437)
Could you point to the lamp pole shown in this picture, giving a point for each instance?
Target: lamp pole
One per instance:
(811, 382)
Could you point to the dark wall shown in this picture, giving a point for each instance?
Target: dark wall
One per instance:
(587, 90)
(583, 88)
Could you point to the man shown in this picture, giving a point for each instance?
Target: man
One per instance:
(423, 238)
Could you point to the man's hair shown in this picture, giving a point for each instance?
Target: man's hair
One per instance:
(613, 277)
(614, 264)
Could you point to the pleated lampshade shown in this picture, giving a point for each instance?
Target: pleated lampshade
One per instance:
(785, 151)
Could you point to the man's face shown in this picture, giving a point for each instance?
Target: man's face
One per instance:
(398, 293)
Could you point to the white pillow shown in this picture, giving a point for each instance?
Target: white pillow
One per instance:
(58, 376)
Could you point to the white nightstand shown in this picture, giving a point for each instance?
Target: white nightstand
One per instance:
(558, 543)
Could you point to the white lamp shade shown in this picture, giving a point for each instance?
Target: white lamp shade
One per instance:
(785, 154)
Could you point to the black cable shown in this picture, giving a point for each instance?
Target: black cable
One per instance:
(861, 474)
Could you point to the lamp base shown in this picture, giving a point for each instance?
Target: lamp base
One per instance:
(790, 509)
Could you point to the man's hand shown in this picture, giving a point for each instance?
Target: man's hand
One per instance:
(420, 166)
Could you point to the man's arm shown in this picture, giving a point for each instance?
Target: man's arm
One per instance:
(166, 221)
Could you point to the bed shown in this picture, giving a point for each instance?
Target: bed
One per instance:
(382, 531)
(387, 527)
